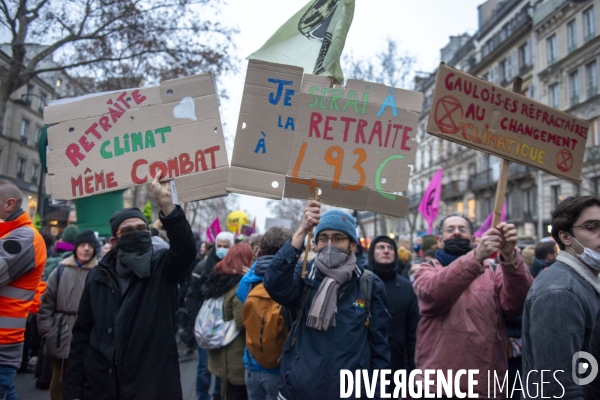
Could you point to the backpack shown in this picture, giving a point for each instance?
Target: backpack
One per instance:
(366, 284)
(210, 330)
(266, 331)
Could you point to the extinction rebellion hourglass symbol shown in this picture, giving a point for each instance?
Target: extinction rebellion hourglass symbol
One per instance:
(564, 160)
(448, 114)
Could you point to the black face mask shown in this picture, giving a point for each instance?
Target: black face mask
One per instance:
(135, 252)
(457, 246)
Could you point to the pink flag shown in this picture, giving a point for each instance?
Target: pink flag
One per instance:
(213, 230)
(487, 224)
(431, 200)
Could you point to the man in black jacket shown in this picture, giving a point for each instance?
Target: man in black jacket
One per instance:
(402, 303)
(123, 343)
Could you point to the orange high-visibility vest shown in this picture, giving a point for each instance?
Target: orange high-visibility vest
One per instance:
(22, 261)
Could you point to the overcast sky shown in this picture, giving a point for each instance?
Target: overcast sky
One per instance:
(421, 29)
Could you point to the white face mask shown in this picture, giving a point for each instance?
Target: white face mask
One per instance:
(589, 256)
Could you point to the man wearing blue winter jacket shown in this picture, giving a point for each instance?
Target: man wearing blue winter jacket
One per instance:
(339, 326)
(261, 383)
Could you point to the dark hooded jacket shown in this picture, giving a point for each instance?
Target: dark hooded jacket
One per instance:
(227, 362)
(194, 298)
(312, 360)
(123, 344)
(538, 266)
(402, 306)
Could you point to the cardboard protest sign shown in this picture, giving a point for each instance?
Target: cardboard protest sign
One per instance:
(296, 133)
(115, 140)
(489, 118)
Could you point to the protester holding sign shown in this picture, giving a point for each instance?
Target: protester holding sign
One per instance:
(123, 344)
(566, 292)
(463, 302)
(342, 321)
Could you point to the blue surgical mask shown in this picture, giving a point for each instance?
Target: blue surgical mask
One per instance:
(221, 252)
(589, 256)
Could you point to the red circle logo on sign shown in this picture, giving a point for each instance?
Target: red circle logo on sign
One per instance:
(564, 160)
(448, 114)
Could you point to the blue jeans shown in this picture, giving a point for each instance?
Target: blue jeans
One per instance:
(7, 383)
(261, 386)
(203, 379)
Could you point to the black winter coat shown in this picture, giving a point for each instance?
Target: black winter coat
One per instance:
(194, 298)
(403, 306)
(124, 345)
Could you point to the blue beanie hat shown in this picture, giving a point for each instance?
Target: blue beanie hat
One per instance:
(337, 220)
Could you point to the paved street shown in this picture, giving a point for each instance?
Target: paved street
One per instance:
(25, 383)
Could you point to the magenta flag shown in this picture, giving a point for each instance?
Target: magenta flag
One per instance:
(213, 230)
(487, 224)
(431, 200)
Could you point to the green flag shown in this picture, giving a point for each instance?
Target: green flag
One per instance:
(312, 39)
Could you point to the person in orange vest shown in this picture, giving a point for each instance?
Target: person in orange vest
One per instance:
(22, 260)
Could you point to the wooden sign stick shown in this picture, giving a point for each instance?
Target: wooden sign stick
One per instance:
(310, 236)
(503, 179)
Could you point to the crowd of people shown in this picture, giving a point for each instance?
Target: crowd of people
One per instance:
(270, 319)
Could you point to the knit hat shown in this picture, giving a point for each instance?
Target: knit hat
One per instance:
(386, 239)
(124, 214)
(337, 220)
(69, 234)
(403, 254)
(86, 236)
(428, 242)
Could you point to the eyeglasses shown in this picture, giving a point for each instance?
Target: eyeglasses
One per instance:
(337, 239)
(127, 230)
(461, 229)
(591, 226)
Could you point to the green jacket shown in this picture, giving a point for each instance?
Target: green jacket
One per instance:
(228, 362)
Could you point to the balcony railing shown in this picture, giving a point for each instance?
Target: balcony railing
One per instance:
(589, 37)
(21, 174)
(482, 178)
(454, 189)
(24, 139)
(592, 91)
(34, 179)
(518, 169)
(415, 199)
(574, 99)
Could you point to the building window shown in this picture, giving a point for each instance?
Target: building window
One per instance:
(24, 131)
(554, 95)
(21, 167)
(556, 195)
(574, 85)
(528, 208)
(471, 211)
(43, 102)
(509, 206)
(0, 160)
(530, 91)
(37, 135)
(571, 36)
(35, 173)
(28, 92)
(589, 24)
(591, 74)
(552, 49)
(593, 138)
(504, 72)
(525, 56)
